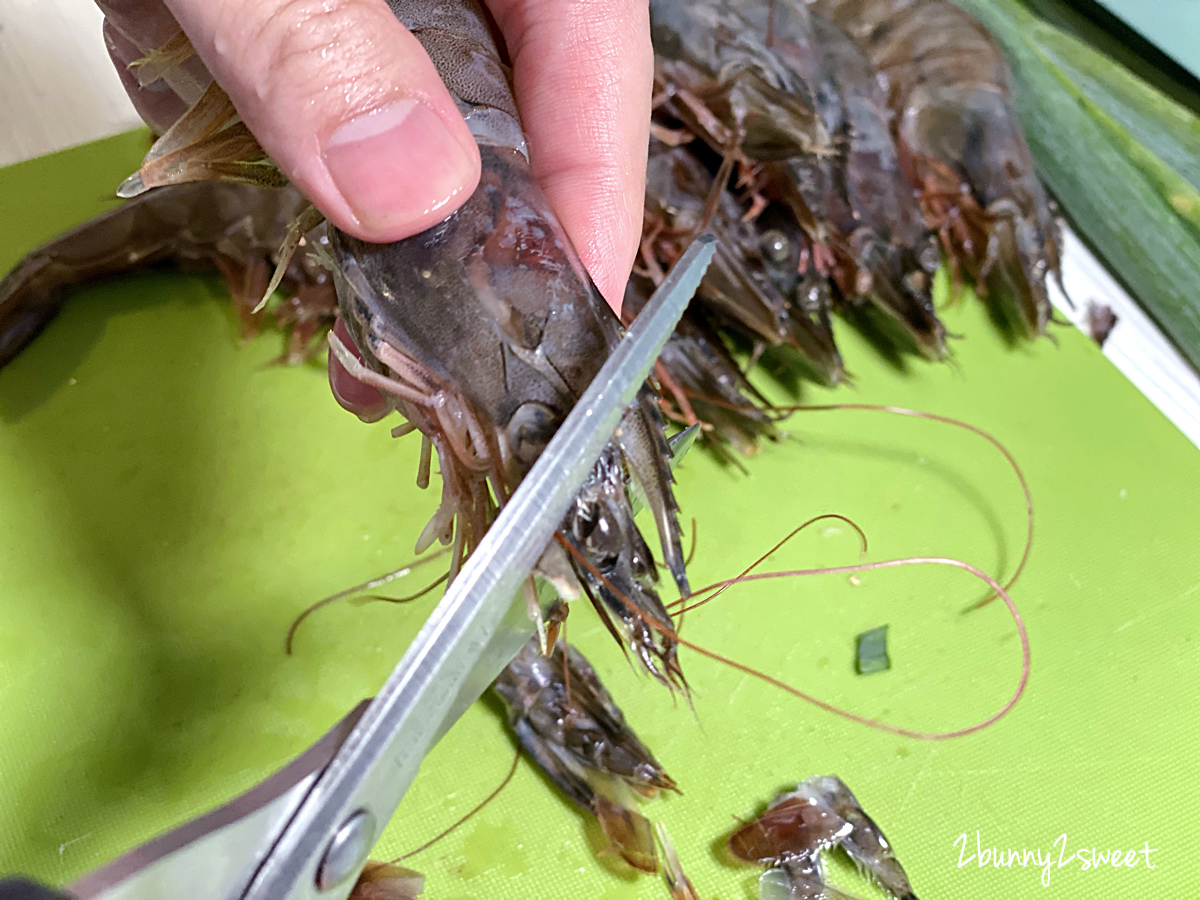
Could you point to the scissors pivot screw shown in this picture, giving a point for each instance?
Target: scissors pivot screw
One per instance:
(347, 851)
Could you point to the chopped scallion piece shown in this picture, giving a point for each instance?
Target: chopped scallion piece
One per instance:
(872, 655)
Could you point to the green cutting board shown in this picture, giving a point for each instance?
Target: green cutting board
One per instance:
(170, 500)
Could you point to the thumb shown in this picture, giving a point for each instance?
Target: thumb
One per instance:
(346, 102)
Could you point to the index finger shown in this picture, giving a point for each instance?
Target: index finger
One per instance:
(583, 73)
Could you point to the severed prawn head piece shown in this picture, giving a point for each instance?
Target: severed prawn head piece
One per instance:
(791, 833)
(385, 881)
(791, 827)
(568, 723)
(616, 569)
(865, 844)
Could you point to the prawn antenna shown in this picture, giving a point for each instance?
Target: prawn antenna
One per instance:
(381, 598)
(722, 586)
(784, 412)
(369, 585)
(877, 724)
(512, 770)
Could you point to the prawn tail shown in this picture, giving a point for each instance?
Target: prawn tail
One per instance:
(158, 62)
(233, 227)
(209, 142)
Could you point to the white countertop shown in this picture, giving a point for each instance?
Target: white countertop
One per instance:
(1173, 25)
(60, 90)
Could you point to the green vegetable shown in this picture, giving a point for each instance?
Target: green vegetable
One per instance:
(871, 655)
(1121, 157)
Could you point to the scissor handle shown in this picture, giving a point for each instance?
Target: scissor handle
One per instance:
(24, 889)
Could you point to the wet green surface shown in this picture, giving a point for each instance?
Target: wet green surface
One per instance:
(169, 502)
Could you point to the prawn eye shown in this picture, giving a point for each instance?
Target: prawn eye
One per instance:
(598, 535)
(930, 258)
(530, 430)
(685, 217)
(775, 246)
(583, 522)
(916, 282)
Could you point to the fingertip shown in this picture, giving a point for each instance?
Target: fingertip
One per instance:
(610, 273)
(583, 74)
(603, 217)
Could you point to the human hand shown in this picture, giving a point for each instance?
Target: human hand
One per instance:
(308, 75)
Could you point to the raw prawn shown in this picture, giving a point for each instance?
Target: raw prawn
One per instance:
(963, 147)
(850, 196)
(489, 385)
(861, 191)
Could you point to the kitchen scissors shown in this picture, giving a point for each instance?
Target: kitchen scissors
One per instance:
(304, 833)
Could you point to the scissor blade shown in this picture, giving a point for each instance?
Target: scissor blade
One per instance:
(377, 763)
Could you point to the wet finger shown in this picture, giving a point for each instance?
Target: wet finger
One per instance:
(583, 73)
(346, 102)
(134, 28)
(145, 23)
(157, 104)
